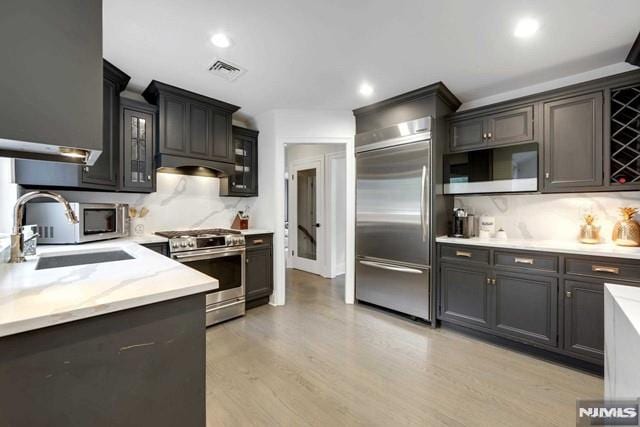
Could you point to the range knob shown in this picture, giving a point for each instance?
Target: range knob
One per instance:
(191, 244)
(183, 244)
(174, 245)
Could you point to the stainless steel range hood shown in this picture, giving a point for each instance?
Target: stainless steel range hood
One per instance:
(51, 80)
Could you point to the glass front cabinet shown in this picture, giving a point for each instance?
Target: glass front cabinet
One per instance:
(138, 146)
(244, 180)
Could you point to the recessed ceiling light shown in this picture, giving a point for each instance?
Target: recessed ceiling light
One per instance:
(366, 89)
(526, 27)
(220, 40)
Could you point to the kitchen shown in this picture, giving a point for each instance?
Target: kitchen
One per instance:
(489, 223)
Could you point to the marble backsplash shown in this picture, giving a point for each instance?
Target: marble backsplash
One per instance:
(181, 202)
(550, 216)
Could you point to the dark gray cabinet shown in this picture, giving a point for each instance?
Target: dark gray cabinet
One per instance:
(160, 247)
(572, 141)
(191, 126)
(500, 128)
(584, 318)
(259, 269)
(137, 146)
(244, 180)
(103, 174)
(526, 306)
(464, 294)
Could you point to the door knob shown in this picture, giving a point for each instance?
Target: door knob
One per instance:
(317, 225)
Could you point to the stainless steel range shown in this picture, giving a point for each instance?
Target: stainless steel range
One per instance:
(219, 253)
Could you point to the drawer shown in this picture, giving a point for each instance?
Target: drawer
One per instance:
(529, 261)
(258, 240)
(465, 253)
(604, 267)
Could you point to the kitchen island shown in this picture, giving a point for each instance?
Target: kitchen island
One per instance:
(110, 343)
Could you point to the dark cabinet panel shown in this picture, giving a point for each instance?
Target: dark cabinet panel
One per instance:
(467, 134)
(259, 272)
(244, 180)
(526, 306)
(173, 117)
(137, 147)
(584, 318)
(198, 130)
(510, 126)
(573, 142)
(221, 149)
(464, 294)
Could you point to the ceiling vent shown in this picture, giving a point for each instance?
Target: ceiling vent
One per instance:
(227, 70)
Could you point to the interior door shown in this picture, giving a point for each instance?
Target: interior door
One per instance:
(306, 238)
(392, 196)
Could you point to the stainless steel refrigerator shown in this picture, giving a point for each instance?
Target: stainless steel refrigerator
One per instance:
(392, 217)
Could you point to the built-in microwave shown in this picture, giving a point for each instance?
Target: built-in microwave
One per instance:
(97, 221)
(509, 169)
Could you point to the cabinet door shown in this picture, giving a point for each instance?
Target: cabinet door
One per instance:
(258, 274)
(526, 306)
(138, 150)
(510, 127)
(104, 171)
(221, 143)
(573, 142)
(467, 134)
(584, 318)
(464, 294)
(173, 122)
(199, 131)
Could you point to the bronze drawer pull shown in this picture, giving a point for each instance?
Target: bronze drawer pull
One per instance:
(523, 260)
(605, 269)
(463, 253)
(258, 242)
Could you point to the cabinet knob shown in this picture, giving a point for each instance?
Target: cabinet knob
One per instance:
(246, 260)
(86, 168)
(484, 135)
(489, 135)
(547, 175)
(568, 294)
(488, 280)
(148, 177)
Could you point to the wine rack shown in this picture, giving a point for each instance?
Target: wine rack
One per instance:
(625, 136)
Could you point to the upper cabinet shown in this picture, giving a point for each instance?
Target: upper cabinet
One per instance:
(192, 126)
(137, 146)
(573, 142)
(243, 182)
(500, 128)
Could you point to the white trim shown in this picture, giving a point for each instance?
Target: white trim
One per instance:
(333, 265)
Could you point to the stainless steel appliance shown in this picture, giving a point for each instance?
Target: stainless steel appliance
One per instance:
(96, 221)
(393, 230)
(463, 224)
(218, 253)
(496, 170)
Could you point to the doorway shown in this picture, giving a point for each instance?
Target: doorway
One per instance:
(316, 208)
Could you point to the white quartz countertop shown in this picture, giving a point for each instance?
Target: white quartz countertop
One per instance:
(144, 239)
(32, 299)
(254, 231)
(628, 299)
(568, 247)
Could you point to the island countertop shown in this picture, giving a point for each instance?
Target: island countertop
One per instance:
(32, 299)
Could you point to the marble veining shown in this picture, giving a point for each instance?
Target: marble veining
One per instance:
(550, 216)
(32, 299)
(563, 246)
(181, 202)
(622, 341)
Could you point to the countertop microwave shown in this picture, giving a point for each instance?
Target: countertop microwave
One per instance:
(97, 221)
(511, 169)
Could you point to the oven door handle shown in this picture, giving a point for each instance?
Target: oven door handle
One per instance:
(207, 255)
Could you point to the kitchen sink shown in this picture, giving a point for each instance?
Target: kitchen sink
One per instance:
(57, 261)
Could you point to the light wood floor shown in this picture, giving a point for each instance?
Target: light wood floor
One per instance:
(317, 361)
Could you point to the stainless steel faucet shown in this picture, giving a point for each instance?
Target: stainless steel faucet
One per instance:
(17, 235)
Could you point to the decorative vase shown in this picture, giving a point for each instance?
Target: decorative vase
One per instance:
(627, 231)
(589, 232)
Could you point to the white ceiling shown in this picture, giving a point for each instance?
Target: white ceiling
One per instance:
(314, 54)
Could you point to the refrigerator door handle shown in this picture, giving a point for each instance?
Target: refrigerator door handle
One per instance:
(423, 210)
(391, 267)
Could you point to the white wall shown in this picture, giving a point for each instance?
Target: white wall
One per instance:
(280, 127)
(334, 212)
(550, 216)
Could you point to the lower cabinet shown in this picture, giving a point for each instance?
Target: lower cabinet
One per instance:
(526, 306)
(553, 301)
(584, 318)
(464, 295)
(160, 247)
(259, 270)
